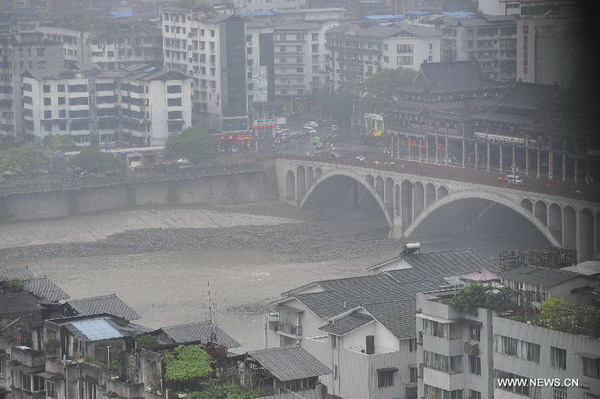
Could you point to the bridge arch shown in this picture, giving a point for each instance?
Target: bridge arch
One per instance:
(442, 192)
(429, 195)
(359, 180)
(290, 186)
(310, 176)
(482, 196)
(527, 204)
(300, 181)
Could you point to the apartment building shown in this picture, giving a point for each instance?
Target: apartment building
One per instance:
(20, 52)
(109, 46)
(402, 6)
(464, 354)
(139, 107)
(363, 328)
(529, 7)
(260, 63)
(356, 53)
(300, 58)
(211, 48)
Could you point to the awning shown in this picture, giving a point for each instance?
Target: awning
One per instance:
(438, 319)
(50, 376)
(588, 355)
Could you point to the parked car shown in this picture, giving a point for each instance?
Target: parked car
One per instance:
(183, 161)
(361, 158)
(334, 128)
(335, 155)
(513, 179)
(312, 123)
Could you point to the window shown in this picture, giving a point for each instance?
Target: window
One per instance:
(62, 113)
(530, 351)
(525, 390)
(475, 365)
(559, 392)
(62, 126)
(47, 101)
(591, 367)
(333, 341)
(335, 372)
(315, 48)
(315, 36)
(46, 88)
(26, 87)
(89, 391)
(558, 357)
(61, 100)
(413, 375)
(435, 392)
(175, 115)
(385, 377)
(174, 89)
(47, 114)
(77, 88)
(78, 101)
(386, 58)
(404, 48)
(32, 383)
(79, 114)
(48, 127)
(171, 102)
(445, 364)
(474, 394)
(60, 88)
(412, 345)
(404, 60)
(475, 333)
(507, 346)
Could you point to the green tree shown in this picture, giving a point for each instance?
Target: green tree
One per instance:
(379, 88)
(194, 144)
(215, 389)
(93, 160)
(188, 363)
(197, 5)
(27, 159)
(59, 142)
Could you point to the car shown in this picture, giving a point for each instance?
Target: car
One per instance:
(319, 146)
(183, 161)
(334, 128)
(513, 179)
(361, 158)
(308, 129)
(312, 123)
(335, 155)
(294, 134)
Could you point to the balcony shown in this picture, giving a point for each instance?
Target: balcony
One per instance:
(27, 356)
(446, 381)
(286, 328)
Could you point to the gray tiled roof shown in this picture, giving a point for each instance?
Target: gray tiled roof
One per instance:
(45, 289)
(588, 268)
(199, 332)
(455, 76)
(397, 316)
(346, 324)
(21, 273)
(18, 302)
(109, 304)
(538, 276)
(288, 363)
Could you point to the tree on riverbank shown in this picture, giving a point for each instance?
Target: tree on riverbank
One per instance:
(193, 144)
(94, 161)
(379, 88)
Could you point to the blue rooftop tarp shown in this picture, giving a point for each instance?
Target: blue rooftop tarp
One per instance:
(122, 14)
(459, 14)
(97, 330)
(383, 16)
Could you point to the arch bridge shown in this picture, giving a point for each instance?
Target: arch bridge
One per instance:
(407, 199)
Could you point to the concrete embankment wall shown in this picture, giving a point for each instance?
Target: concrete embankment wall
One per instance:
(213, 189)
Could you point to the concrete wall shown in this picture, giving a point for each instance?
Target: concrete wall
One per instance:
(216, 189)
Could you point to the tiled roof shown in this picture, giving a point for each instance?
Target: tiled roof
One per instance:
(18, 302)
(397, 316)
(455, 76)
(45, 289)
(110, 304)
(200, 332)
(528, 96)
(288, 363)
(346, 324)
(588, 268)
(538, 276)
(20, 273)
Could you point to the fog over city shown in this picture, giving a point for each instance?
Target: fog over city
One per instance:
(299, 199)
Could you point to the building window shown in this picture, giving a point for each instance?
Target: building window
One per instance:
(525, 390)
(475, 365)
(559, 392)
(78, 101)
(48, 128)
(62, 113)
(27, 87)
(175, 115)
(412, 345)
(558, 358)
(335, 372)
(46, 88)
(413, 373)
(32, 383)
(47, 114)
(47, 101)
(435, 392)
(333, 341)
(445, 364)
(404, 60)
(385, 377)
(172, 102)
(61, 101)
(174, 89)
(591, 367)
(475, 333)
(474, 394)
(404, 48)
(60, 88)
(78, 88)
(315, 36)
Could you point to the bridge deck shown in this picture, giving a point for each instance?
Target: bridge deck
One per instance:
(586, 192)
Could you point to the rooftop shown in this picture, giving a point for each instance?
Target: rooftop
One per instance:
(538, 276)
(203, 332)
(109, 304)
(19, 302)
(19, 273)
(346, 324)
(289, 363)
(588, 268)
(45, 289)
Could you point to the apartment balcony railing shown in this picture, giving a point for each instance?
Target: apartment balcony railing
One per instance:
(286, 328)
